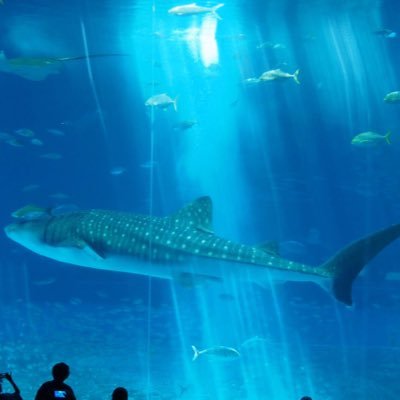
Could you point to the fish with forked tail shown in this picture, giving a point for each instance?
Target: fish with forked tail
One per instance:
(183, 244)
(279, 75)
(162, 101)
(221, 352)
(194, 9)
(392, 97)
(371, 139)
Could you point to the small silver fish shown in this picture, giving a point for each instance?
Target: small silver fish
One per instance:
(44, 282)
(25, 132)
(271, 45)
(4, 137)
(148, 164)
(392, 97)
(194, 9)
(161, 101)
(59, 196)
(222, 352)
(251, 81)
(371, 139)
(37, 142)
(30, 188)
(63, 208)
(386, 33)
(51, 156)
(278, 75)
(75, 301)
(184, 125)
(56, 132)
(30, 212)
(15, 142)
(118, 170)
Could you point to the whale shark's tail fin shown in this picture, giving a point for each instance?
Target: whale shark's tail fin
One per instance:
(345, 265)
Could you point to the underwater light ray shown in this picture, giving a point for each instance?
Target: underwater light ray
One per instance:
(201, 41)
(287, 390)
(348, 71)
(303, 359)
(208, 43)
(208, 337)
(151, 208)
(184, 344)
(249, 325)
(91, 80)
(28, 302)
(345, 362)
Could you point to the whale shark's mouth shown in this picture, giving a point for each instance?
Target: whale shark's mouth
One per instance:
(12, 229)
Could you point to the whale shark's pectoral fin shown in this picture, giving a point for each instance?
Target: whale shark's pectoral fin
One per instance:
(95, 254)
(84, 246)
(197, 214)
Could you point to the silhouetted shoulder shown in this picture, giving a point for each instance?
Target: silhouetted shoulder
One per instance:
(53, 390)
(10, 396)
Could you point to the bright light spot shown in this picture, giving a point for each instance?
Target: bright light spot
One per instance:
(191, 36)
(201, 41)
(208, 43)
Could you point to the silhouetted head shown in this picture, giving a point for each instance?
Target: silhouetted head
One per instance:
(119, 393)
(60, 372)
(306, 398)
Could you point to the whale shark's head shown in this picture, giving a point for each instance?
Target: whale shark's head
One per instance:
(34, 235)
(28, 233)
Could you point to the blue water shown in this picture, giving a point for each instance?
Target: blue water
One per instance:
(275, 157)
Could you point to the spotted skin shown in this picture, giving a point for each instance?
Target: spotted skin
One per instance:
(178, 238)
(183, 246)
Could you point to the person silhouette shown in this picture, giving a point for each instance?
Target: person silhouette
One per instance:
(9, 396)
(119, 393)
(56, 389)
(306, 398)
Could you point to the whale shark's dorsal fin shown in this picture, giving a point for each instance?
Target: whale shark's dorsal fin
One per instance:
(197, 214)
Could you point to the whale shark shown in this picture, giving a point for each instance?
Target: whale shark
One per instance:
(183, 246)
